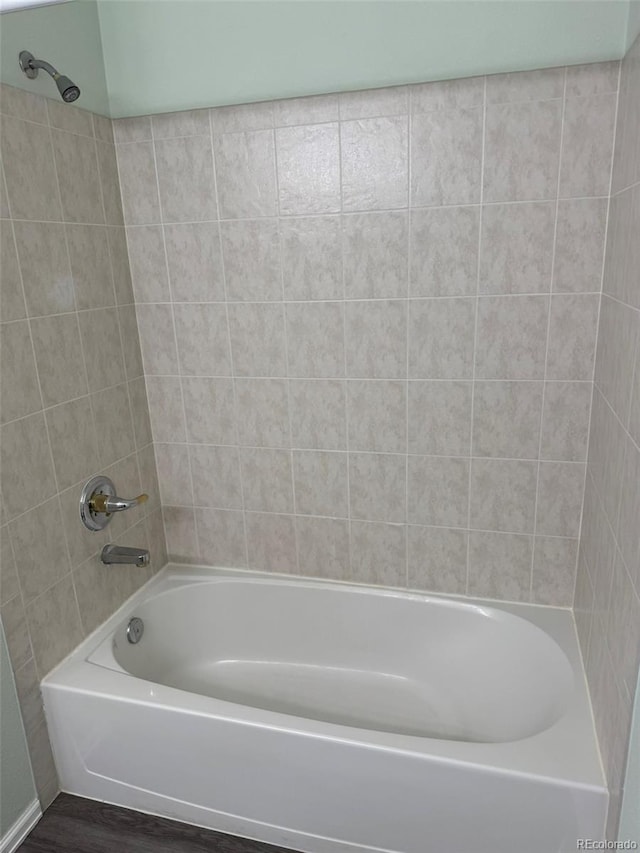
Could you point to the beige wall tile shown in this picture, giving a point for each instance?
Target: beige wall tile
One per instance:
(439, 418)
(251, 251)
(438, 491)
(209, 410)
(378, 553)
(587, 145)
(148, 264)
(444, 251)
(315, 339)
(203, 340)
(40, 549)
(506, 419)
(374, 163)
(271, 542)
(308, 169)
(44, 262)
(320, 483)
(499, 565)
(503, 495)
(186, 179)
(60, 359)
(29, 170)
(174, 475)
(19, 390)
(377, 415)
(522, 150)
(215, 473)
(311, 257)
(441, 338)
(246, 174)
(267, 479)
(318, 413)
(518, 86)
(376, 249)
(377, 487)
(437, 559)
(90, 265)
(511, 337)
(57, 606)
(262, 412)
(326, 547)
(78, 177)
(517, 248)
(138, 183)
(376, 339)
(12, 305)
(446, 157)
(27, 469)
(73, 441)
(221, 537)
(194, 258)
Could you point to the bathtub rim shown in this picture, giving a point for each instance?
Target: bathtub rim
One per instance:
(532, 757)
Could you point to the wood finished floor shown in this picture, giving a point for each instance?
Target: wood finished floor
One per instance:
(74, 825)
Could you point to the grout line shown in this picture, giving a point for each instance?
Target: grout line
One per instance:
(175, 342)
(287, 378)
(475, 336)
(407, 386)
(234, 388)
(548, 337)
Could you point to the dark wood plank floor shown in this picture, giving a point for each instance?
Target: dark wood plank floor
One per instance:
(75, 825)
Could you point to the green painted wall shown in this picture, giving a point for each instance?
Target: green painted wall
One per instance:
(164, 55)
(633, 25)
(68, 36)
(17, 789)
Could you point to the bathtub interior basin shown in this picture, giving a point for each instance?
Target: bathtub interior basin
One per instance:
(412, 665)
(331, 718)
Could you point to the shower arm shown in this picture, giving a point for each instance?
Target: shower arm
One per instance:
(35, 64)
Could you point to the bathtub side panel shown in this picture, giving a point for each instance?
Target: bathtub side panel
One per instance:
(314, 794)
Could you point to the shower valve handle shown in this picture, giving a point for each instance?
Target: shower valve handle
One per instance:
(99, 501)
(111, 503)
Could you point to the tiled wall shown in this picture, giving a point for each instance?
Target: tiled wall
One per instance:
(72, 392)
(608, 585)
(368, 326)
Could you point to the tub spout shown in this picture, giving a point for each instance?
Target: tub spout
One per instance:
(120, 554)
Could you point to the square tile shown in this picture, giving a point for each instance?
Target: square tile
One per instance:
(500, 565)
(320, 483)
(312, 258)
(446, 157)
(440, 418)
(511, 337)
(251, 251)
(246, 174)
(503, 495)
(506, 419)
(441, 333)
(374, 155)
(377, 485)
(376, 247)
(378, 553)
(444, 251)
(522, 151)
(517, 248)
(438, 491)
(315, 339)
(308, 169)
(376, 339)
(437, 559)
(377, 414)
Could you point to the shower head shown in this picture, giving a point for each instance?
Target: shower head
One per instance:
(69, 92)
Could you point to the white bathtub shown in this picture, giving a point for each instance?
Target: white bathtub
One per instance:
(326, 717)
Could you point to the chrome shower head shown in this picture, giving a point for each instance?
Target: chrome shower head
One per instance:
(69, 92)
